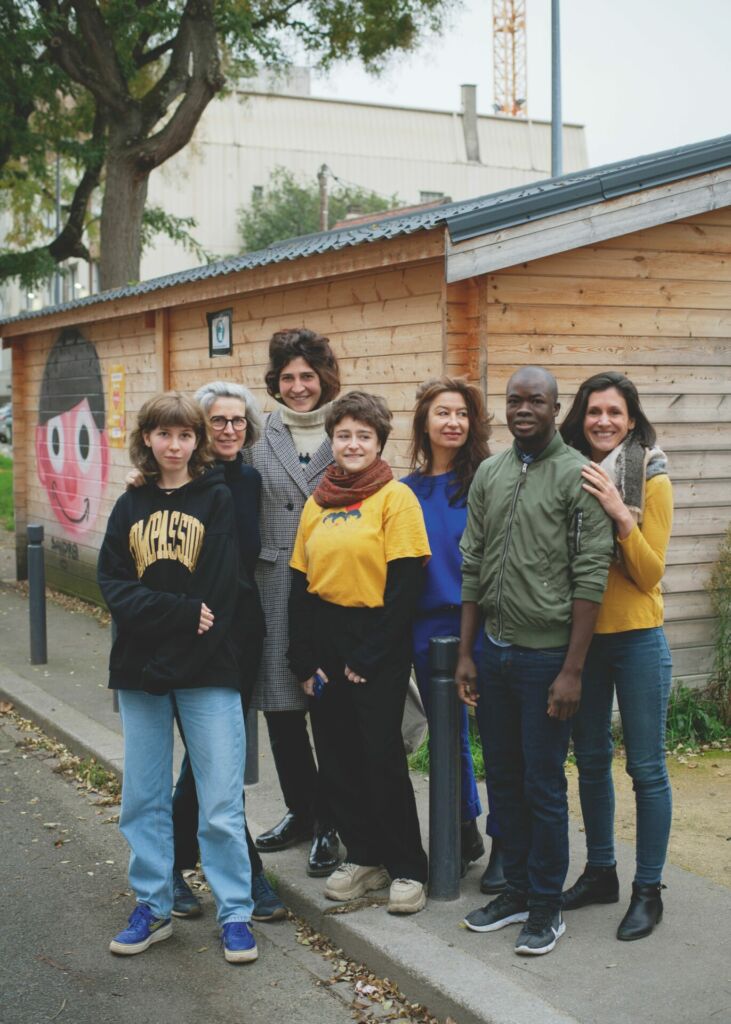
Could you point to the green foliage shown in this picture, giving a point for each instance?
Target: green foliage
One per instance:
(7, 519)
(693, 718)
(719, 588)
(122, 83)
(290, 208)
(156, 221)
(419, 760)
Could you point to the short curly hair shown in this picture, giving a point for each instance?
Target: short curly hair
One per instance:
(170, 409)
(299, 342)
(365, 408)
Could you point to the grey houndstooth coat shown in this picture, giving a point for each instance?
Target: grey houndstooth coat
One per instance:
(285, 488)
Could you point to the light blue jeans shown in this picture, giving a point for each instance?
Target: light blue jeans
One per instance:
(637, 664)
(214, 733)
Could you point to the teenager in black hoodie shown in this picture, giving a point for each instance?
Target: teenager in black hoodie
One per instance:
(166, 572)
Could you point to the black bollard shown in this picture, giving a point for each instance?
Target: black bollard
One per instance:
(37, 596)
(444, 771)
(251, 769)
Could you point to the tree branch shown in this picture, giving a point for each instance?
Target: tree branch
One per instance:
(90, 61)
(195, 73)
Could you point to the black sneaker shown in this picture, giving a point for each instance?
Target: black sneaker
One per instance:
(542, 930)
(510, 907)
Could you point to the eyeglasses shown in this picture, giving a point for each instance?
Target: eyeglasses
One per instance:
(219, 423)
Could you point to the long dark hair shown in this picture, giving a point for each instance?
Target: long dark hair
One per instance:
(572, 428)
(316, 352)
(473, 451)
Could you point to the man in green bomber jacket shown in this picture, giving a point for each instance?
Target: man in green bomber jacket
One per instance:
(535, 557)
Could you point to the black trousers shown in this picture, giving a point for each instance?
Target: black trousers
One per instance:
(357, 730)
(299, 779)
(185, 820)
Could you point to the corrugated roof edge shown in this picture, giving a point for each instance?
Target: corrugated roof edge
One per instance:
(464, 219)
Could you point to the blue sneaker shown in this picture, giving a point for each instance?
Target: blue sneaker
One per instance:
(239, 945)
(267, 905)
(185, 902)
(143, 929)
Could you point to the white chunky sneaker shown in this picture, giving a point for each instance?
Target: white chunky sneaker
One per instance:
(406, 896)
(350, 881)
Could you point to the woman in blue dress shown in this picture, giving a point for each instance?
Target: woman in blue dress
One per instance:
(449, 441)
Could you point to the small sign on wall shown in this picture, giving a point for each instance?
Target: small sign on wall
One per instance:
(219, 332)
(115, 422)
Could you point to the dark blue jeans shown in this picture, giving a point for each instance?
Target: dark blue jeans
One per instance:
(637, 665)
(525, 769)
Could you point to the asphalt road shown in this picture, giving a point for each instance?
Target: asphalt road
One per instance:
(60, 905)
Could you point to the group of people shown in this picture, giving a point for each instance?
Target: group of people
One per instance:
(279, 566)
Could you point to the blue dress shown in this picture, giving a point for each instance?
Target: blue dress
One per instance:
(440, 608)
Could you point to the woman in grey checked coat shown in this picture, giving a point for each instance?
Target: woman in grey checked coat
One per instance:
(291, 456)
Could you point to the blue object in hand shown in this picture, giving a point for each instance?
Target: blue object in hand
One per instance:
(319, 688)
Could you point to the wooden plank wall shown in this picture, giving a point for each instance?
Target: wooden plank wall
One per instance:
(71, 559)
(656, 305)
(385, 328)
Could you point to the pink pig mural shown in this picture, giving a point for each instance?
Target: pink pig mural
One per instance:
(72, 453)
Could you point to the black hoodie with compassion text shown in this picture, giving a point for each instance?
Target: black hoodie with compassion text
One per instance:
(163, 555)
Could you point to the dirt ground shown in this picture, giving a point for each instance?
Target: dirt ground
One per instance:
(700, 839)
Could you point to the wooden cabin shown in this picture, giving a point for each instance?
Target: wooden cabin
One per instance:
(626, 266)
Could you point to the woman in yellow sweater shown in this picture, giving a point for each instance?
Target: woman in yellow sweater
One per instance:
(629, 654)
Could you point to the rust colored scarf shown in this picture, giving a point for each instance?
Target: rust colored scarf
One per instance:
(337, 488)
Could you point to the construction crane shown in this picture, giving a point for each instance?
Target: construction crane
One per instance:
(509, 57)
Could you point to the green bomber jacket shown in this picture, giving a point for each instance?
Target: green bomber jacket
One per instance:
(535, 541)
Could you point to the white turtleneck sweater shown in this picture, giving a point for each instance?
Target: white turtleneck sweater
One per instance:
(307, 430)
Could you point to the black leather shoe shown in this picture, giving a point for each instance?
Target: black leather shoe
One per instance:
(324, 853)
(471, 844)
(286, 833)
(493, 879)
(594, 885)
(645, 911)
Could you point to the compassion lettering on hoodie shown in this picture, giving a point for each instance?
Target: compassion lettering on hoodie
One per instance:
(172, 535)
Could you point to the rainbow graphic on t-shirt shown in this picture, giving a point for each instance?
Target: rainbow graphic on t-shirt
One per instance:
(349, 512)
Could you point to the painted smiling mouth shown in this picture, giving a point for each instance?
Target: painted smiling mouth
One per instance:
(72, 519)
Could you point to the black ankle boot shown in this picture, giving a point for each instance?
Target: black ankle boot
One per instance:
(594, 885)
(645, 911)
(471, 844)
(493, 879)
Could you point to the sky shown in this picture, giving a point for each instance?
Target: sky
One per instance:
(641, 75)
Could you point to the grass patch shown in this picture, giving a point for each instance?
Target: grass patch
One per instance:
(694, 718)
(419, 760)
(7, 517)
(695, 721)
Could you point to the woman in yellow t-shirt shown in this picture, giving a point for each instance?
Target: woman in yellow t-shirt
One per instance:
(629, 653)
(357, 563)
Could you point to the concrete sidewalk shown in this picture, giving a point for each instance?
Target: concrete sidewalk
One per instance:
(677, 976)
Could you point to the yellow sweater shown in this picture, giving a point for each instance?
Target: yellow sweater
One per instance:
(633, 599)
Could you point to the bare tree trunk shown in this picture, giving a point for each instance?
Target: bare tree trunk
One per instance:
(125, 192)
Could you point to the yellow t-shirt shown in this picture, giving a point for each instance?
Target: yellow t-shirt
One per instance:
(344, 552)
(633, 600)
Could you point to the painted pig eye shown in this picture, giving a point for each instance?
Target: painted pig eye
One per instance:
(55, 442)
(83, 434)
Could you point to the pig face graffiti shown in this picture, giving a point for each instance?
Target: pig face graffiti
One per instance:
(72, 453)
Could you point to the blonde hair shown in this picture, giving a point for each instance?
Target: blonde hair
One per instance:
(170, 409)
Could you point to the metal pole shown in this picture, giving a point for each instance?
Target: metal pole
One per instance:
(324, 198)
(57, 275)
(444, 769)
(556, 125)
(37, 596)
(251, 769)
